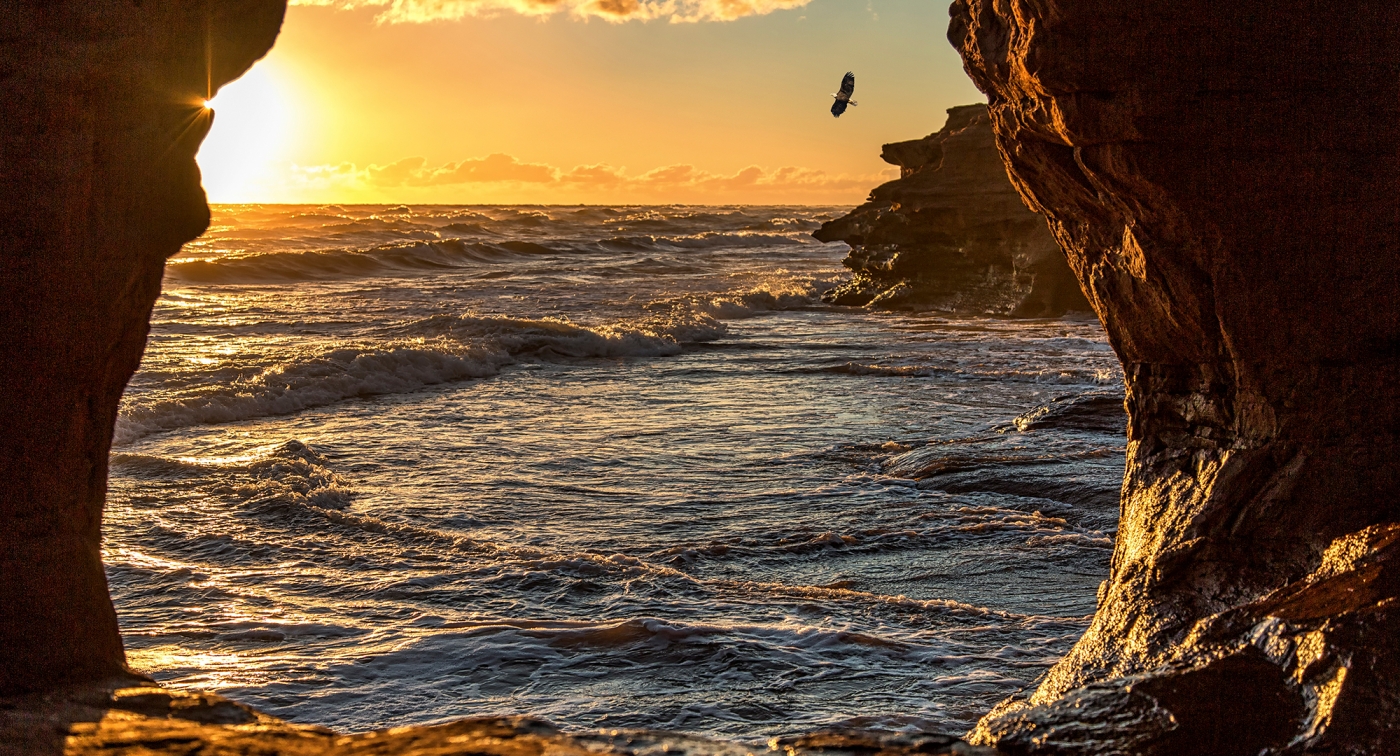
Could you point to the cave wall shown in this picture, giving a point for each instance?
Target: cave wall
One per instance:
(1223, 178)
(102, 116)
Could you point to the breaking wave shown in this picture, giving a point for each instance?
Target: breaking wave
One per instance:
(771, 296)
(431, 251)
(434, 350)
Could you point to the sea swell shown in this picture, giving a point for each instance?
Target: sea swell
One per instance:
(433, 251)
(425, 352)
(612, 466)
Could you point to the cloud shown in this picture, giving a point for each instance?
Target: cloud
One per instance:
(414, 172)
(506, 175)
(675, 11)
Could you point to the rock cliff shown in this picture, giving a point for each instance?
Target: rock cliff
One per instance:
(102, 116)
(1223, 178)
(951, 233)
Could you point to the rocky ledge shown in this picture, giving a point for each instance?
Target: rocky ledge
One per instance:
(951, 233)
(128, 716)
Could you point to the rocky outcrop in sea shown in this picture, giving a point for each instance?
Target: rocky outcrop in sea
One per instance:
(952, 234)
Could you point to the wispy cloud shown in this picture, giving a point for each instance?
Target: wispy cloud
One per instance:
(504, 173)
(414, 171)
(676, 11)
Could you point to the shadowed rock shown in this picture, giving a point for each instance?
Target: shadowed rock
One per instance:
(102, 116)
(1223, 178)
(951, 233)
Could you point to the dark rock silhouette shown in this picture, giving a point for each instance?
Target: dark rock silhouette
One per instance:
(951, 233)
(1223, 177)
(102, 115)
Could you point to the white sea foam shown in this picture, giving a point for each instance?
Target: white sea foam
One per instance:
(312, 382)
(427, 352)
(771, 296)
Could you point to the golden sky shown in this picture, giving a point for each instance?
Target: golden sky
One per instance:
(592, 101)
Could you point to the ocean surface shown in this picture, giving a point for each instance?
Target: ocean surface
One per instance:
(612, 467)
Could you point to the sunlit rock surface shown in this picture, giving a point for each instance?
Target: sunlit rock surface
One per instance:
(1223, 178)
(102, 115)
(126, 716)
(952, 234)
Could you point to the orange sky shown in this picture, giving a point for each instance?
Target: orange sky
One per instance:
(423, 101)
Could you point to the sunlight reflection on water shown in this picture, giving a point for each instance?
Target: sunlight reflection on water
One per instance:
(625, 475)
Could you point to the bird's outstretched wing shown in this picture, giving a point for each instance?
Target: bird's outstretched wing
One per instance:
(838, 107)
(848, 86)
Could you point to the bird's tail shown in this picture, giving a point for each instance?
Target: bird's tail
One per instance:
(852, 103)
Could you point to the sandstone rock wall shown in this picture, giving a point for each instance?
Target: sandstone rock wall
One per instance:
(951, 233)
(1224, 179)
(101, 118)
(122, 717)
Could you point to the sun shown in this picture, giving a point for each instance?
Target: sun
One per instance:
(248, 144)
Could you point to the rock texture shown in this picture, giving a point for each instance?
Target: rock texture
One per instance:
(951, 233)
(102, 116)
(124, 716)
(1223, 178)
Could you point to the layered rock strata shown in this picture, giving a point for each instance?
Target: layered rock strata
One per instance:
(1223, 178)
(951, 233)
(122, 716)
(102, 115)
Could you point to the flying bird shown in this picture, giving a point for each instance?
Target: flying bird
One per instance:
(843, 97)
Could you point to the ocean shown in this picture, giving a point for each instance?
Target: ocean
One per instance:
(613, 467)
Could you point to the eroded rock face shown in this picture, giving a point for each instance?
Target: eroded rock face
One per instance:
(1223, 177)
(101, 118)
(951, 233)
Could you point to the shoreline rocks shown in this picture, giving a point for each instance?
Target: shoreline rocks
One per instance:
(130, 715)
(952, 234)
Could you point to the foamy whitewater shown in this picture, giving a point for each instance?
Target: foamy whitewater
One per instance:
(611, 467)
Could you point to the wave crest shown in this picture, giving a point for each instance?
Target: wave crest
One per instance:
(435, 350)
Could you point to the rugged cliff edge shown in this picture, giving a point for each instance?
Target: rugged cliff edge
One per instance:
(1223, 178)
(951, 233)
(102, 115)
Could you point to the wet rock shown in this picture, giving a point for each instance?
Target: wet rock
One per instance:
(861, 743)
(1092, 411)
(128, 716)
(952, 234)
(102, 116)
(1222, 178)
